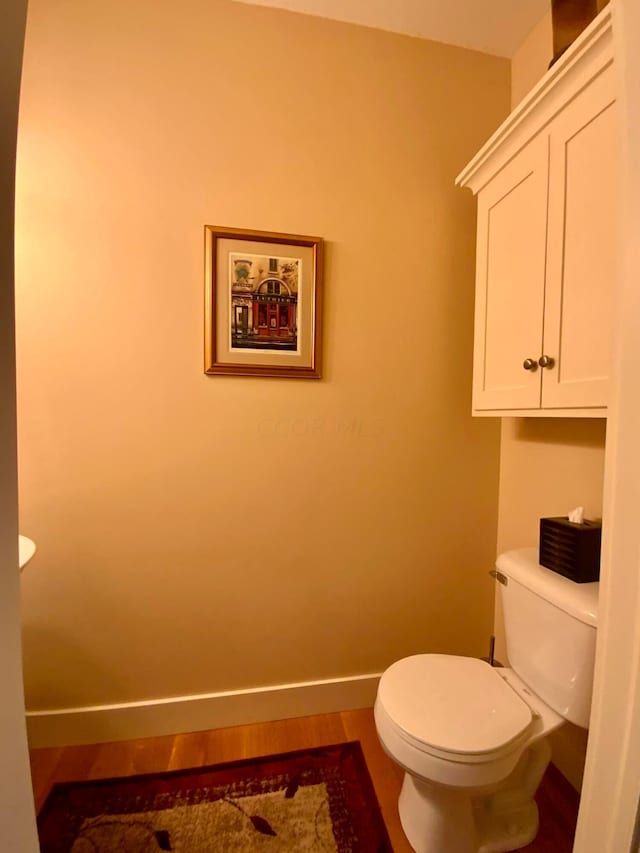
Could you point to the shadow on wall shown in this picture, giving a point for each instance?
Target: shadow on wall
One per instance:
(569, 751)
(576, 432)
(66, 655)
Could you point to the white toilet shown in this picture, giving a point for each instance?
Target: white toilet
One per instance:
(470, 737)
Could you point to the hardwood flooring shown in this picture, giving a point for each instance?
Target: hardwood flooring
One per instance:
(557, 801)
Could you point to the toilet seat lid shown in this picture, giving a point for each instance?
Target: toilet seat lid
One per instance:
(453, 704)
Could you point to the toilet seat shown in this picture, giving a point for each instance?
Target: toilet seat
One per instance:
(453, 708)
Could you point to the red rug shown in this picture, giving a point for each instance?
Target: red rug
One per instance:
(313, 800)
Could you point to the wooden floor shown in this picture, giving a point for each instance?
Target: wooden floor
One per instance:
(557, 801)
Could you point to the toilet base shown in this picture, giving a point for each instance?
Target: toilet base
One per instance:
(434, 817)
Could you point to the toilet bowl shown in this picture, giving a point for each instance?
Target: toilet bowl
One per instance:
(471, 741)
(471, 738)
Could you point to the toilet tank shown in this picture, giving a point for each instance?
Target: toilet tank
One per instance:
(550, 632)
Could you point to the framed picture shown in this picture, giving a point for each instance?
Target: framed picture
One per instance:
(263, 303)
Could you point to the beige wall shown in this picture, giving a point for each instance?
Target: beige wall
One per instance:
(547, 466)
(199, 534)
(531, 60)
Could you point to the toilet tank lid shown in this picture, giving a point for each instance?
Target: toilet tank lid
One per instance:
(579, 600)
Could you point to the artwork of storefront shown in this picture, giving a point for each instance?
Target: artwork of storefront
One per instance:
(265, 318)
(263, 304)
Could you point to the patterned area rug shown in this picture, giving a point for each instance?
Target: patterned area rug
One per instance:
(314, 800)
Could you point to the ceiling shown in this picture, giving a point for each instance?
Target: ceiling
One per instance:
(492, 26)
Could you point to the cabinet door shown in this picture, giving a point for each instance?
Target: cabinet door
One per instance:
(511, 246)
(581, 255)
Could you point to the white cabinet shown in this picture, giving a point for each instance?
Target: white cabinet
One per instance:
(581, 249)
(546, 184)
(511, 259)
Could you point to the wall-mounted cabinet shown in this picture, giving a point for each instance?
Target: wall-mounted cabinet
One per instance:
(546, 184)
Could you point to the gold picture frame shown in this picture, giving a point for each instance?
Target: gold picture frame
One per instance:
(263, 303)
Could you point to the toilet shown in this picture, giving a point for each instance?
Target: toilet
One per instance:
(470, 737)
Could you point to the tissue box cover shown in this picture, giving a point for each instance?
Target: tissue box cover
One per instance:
(572, 550)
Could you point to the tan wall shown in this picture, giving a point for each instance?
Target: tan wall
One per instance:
(531, 60)
(198, 533)
(547, 466)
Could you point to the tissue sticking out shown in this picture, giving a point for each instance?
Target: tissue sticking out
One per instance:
(577, 515)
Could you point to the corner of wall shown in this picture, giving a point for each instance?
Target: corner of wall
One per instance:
(531, 59)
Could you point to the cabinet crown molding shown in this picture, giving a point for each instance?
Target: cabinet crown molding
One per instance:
(587, 57)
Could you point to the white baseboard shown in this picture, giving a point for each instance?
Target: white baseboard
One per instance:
(103, 723)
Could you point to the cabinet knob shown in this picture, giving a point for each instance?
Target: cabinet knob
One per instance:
(546, 361)
(530, 364)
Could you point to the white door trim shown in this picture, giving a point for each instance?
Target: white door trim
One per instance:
(17, 818)
(612, 774)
